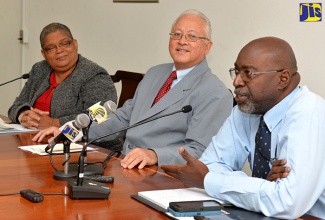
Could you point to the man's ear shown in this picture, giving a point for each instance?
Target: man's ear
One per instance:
(285, 78)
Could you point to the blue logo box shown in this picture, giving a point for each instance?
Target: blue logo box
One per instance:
(310, 12)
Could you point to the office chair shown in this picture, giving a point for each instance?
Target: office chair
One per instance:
(130, 81)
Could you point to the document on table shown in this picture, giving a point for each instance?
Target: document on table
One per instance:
(12, 128)
(58, 148)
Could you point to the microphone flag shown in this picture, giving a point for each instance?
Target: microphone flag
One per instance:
(97, 113)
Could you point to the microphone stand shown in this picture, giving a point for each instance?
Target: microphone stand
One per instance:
(24, 76)
(89, 169)
(87, 189)
(71, 169)
(65, 174)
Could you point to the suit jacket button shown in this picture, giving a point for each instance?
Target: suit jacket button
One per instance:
(130, 146)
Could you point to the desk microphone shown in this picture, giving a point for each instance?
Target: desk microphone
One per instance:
(98, 113)
(24, 76)
(70, 130)
(87, 189)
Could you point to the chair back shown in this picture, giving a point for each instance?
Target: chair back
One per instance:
(130, 81)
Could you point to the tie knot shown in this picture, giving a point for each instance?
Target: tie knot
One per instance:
(262, 122)
(173, 75)
(166, 87)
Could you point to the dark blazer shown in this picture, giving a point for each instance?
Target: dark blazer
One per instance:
(88, 83)
(211, 102)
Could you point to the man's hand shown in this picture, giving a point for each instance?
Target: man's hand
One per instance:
(143, 157)
(52, 131)
(192, 173)
(278, 171)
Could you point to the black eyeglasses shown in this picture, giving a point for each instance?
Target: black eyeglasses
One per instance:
(62, 45)
(188, 37)
(247, 75)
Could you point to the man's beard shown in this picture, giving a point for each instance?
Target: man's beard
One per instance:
(247, 106)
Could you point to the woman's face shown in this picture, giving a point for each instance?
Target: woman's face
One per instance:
(60, 51)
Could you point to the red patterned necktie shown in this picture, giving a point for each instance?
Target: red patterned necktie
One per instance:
(166, 87)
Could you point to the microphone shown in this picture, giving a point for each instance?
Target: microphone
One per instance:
(99, 113)
(184, 109)
(95, 190)
(110, 106)
(70, 130)
(24, 76)
(96, 113)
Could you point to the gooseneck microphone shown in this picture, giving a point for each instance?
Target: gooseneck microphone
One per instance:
(24, 76)
(69, 129)
(184, 109)
(94, 190)
(70, 132)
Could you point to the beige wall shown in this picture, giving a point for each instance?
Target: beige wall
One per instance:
(134, 36)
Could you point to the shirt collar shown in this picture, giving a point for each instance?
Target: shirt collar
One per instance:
(182, 73)
(273, 116)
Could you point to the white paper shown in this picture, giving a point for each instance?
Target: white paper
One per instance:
(10, 128)
(58, 148)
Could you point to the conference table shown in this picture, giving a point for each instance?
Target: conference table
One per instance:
(21, 170)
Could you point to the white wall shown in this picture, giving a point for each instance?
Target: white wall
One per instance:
(10, 52)
(134, 36)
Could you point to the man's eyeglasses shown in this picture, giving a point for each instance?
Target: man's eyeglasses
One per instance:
(247, 75)
(188, 37)
(52, 48)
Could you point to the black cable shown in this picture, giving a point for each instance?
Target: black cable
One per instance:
(66, 160)
(45, 193)
(51, 160)
(104, 162)
(109, 157)
(9, 194)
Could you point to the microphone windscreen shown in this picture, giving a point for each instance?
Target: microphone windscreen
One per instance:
(110, 106)
(186, 108)
(82, 121)
(25, 76)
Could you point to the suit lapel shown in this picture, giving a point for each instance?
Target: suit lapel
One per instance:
(175, 94)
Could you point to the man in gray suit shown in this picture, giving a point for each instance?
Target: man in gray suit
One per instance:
(157, 142)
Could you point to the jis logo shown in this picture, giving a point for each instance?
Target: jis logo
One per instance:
(310, 12)
(70, 132)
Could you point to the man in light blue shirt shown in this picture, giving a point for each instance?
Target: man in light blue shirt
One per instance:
(266, 84)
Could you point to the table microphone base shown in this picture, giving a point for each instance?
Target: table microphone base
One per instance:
(89, 170)
(61, 175)
(88, 190)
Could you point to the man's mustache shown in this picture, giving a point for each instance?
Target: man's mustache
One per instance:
(241, 91)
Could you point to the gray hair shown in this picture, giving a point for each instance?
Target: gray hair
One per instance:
(207, 28)
(53, 27)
